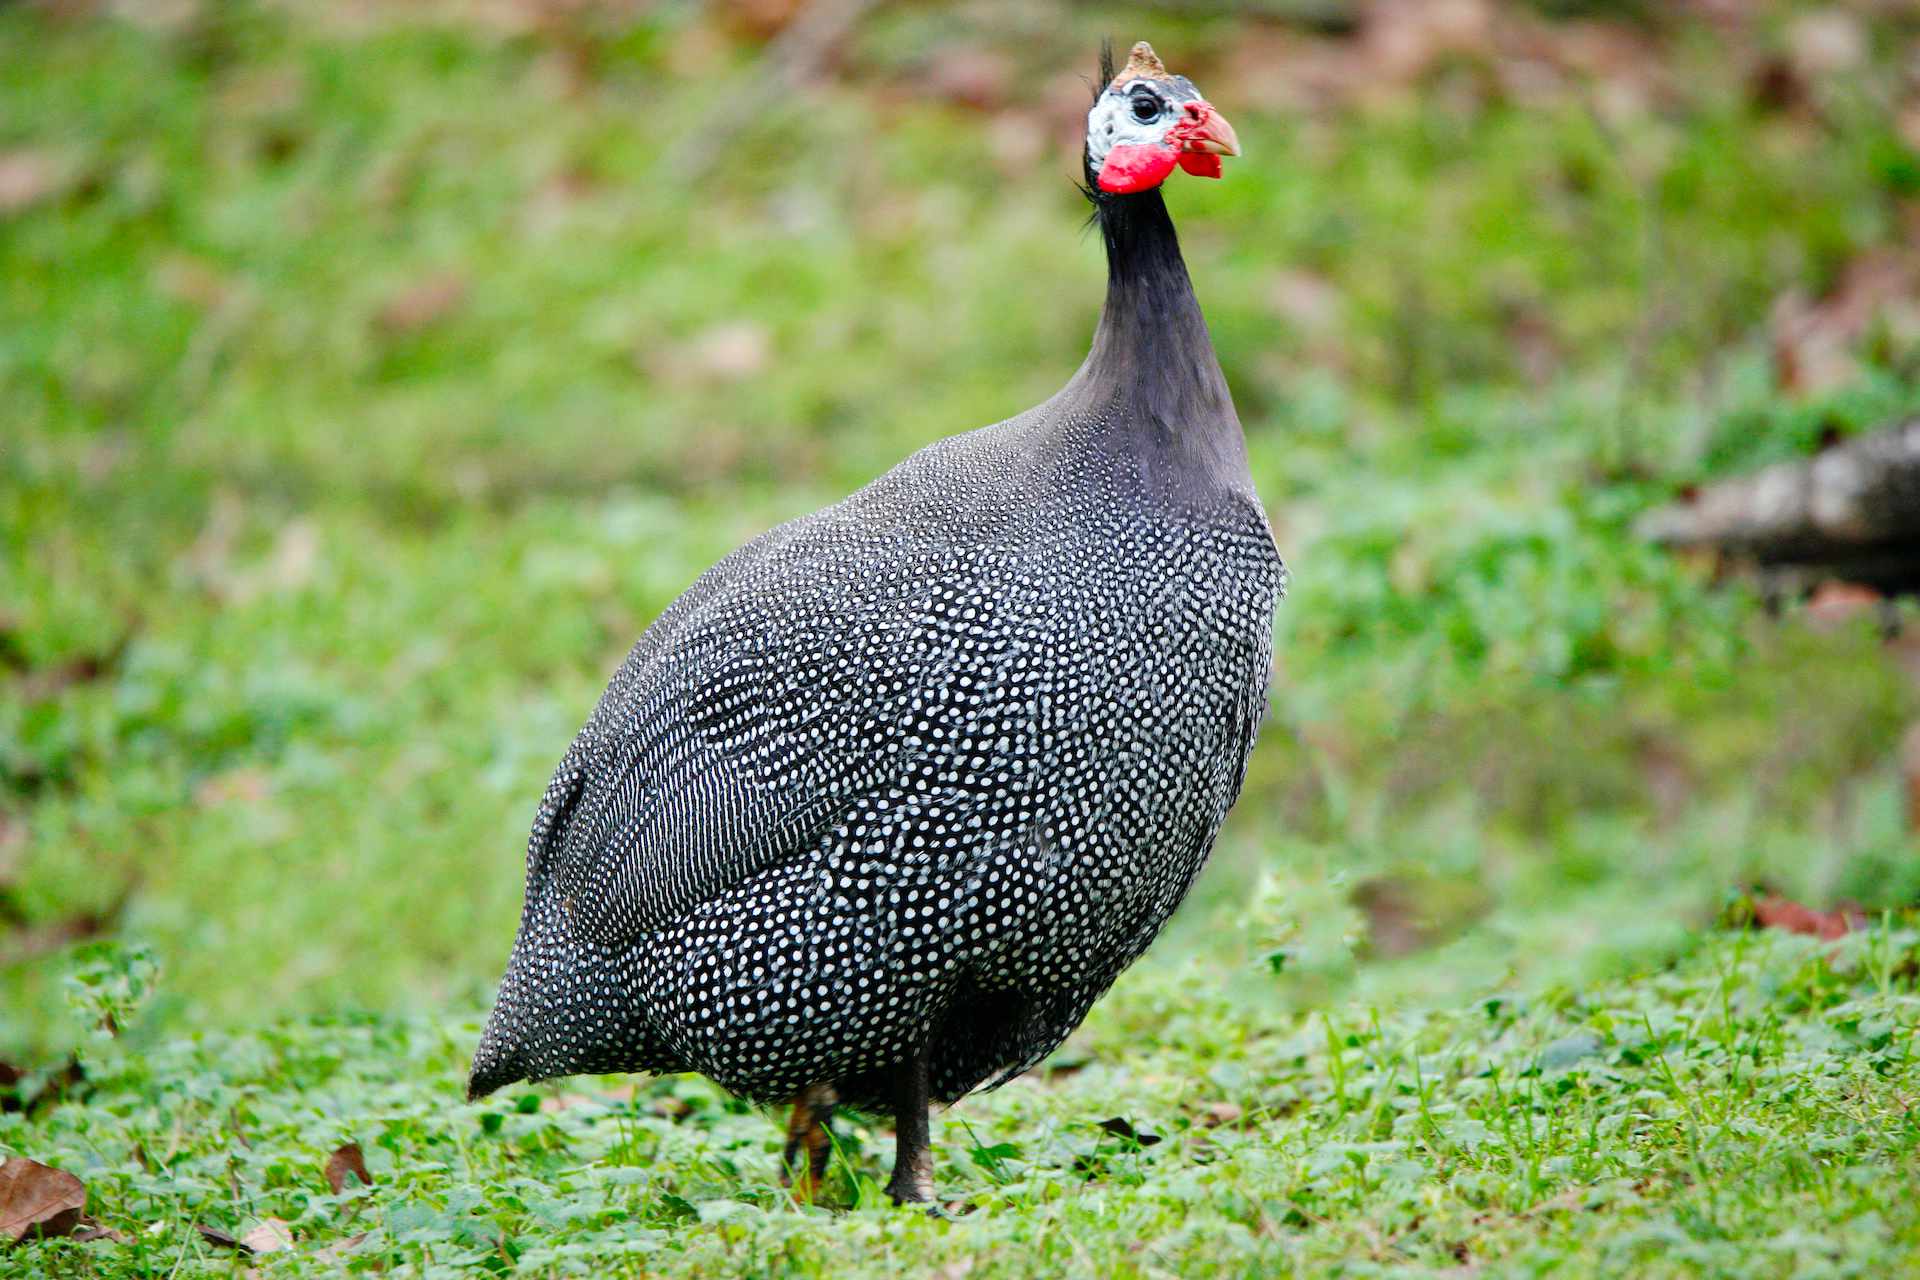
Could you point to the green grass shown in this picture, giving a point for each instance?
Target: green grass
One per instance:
(1745, 1111)
(367, 384)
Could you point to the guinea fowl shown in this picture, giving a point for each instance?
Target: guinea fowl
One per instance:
(875, 812)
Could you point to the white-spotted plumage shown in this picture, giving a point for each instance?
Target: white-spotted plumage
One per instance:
(906, 783)
(935, 762)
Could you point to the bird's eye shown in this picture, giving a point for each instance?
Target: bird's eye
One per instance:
(1145, 107)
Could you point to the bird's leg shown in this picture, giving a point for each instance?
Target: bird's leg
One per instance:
(807, 1131)
(912, 1181)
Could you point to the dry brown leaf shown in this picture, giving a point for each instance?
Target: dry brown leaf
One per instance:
(36, 1199)
(218, 1238)
(347, 1161)
(423, 303)
(270, 1236)
(1776, 912)
(1215, 1114)
(89, 1231)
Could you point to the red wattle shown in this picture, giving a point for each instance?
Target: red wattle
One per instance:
(1201, 164)
(1131, 168)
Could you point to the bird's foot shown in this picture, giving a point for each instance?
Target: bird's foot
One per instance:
(912, 1181)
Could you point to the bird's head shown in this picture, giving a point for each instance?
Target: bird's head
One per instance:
(1146, 121)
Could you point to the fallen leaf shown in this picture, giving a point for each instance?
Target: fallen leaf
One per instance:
(423, 303)
(1215, 1114)
(36, 1199)
(88, 1231)
(347, 1161)
(218, 1238)
(1776, 912)
(270, 1236)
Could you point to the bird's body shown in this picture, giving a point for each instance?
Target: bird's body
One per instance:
(909, 781)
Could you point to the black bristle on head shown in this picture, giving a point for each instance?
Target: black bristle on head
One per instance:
(1106, 67)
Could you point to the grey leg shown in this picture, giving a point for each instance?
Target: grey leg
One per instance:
(912, 1181)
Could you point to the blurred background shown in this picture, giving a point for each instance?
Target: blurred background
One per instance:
(372, 373)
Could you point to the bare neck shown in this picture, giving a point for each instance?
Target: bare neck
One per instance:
(1152, 362)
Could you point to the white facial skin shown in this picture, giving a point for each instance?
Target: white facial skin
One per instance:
(1115, 120)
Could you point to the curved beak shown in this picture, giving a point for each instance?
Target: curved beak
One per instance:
(1207, 132)
(1204, 136)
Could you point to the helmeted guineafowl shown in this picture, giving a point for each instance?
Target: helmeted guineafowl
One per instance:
(878, 809)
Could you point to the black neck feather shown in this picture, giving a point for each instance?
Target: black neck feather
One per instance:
(1152, 359)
